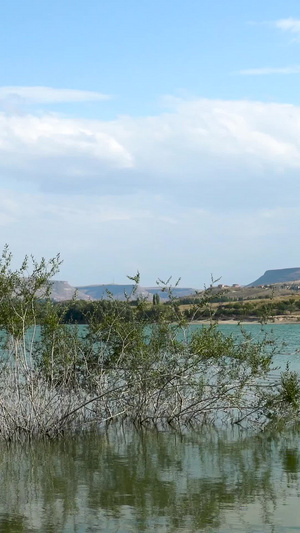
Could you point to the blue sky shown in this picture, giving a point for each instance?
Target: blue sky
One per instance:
(157, 135)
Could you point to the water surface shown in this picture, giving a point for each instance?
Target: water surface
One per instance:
(128, 480)
(125, 480)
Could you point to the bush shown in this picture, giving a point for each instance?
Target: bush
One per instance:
(148, 367)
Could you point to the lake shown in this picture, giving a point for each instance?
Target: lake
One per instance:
(127, 480)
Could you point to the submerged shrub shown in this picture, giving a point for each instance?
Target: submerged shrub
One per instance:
(149, 367)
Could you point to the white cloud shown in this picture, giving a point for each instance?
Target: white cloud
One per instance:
(196, 142)
(48, 95)
(289, 24)
(71, 147)
(264, 71)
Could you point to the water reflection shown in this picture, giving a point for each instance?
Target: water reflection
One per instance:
(126, 480)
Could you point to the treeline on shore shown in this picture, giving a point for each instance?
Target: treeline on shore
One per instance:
(80, 311)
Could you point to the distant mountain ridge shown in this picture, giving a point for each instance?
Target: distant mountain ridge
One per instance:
(119, 292)
(281, 275)
(63, 291)
(99, 292)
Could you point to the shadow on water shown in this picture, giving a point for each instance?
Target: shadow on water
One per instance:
(129, 480)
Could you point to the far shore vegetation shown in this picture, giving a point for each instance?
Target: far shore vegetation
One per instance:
(134, 360)
(192, 309)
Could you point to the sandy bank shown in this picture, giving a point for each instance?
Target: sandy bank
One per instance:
(279, 319)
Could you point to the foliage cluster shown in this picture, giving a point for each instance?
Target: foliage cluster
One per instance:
(255, 309)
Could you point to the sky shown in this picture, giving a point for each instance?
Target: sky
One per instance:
(154, 135)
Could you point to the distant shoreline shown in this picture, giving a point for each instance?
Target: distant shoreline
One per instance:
(278, 319)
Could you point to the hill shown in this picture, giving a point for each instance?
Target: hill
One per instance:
(177, 292)
(99, 292)
(62, 291)
(281, 275)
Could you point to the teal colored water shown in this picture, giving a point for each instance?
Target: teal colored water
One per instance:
(125, 480)
(286, 337)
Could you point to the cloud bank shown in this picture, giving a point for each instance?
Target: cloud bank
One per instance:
(195, 142)
(207, 186)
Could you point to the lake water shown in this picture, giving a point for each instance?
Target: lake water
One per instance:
(126, 480)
